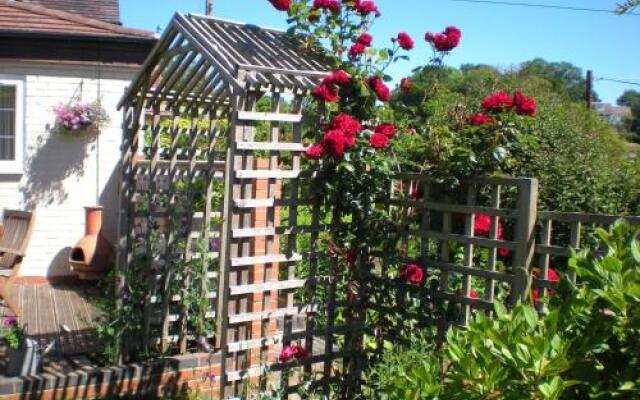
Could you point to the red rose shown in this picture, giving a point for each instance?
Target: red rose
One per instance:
(405, 41)
(338, 77)
(382, 91)
(326, 93)
(314, 152)
(281, 5)
(502, 252)
(367, 7)
(445, 41)
(387, 129)
(472, 294)
(287, 354)
(498, 102)
(332, 5)
(406, 85)
(413, 274)
(524, 105)
(334, 144)
(481, 119)
(347, 124)
(379, 141)
(299, 352)
(552, 276)
(356, 50)
(482, 226)
(365, 39)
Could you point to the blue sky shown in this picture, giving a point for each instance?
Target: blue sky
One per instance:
(492, 34)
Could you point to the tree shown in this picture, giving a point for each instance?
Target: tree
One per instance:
(631, 99)
(565, 77)
(627, 6)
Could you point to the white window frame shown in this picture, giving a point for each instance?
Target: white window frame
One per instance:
(16, 166)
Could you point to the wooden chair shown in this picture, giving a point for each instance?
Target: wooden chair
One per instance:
(15, 233)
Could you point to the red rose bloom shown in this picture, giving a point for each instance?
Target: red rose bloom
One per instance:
(497, 102)
(365, 8)
(481, 119)
(552, 276)
(365, 39)
(287, 354)
(314, 152)
(406, 85)
(334, 144)
(338, 77)
(379, 141)
(445, 41)
(299, 352)
(332, 5)
(387, 129)
(281, 5)
(382, 91)
(482, 226)
(405, 41)
(347, 124)
(413, 274)
(326, 93)
(524, 105)
(356, 50)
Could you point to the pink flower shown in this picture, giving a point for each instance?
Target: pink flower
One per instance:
(9, 321)
(379, 141)
(413, 274)
(287, 354)
(387, 129)
(365, 39)
(357, 50)
(281, 5)
(326, 93)
(338, 77)
(405, 41)
(314, 152)
(332, 5)
(445, 41)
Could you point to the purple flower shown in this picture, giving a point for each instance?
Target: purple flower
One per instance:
(9, 321)
(124, 294)
(214, 244)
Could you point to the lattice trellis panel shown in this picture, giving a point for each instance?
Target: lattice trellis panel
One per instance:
(465, 271)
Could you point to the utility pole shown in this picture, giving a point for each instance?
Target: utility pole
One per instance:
(208, 8)
(589, 92)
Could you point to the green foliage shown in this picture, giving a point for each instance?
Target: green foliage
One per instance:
(12, 332)
(631, 99)
(586, 347)
(565, 77)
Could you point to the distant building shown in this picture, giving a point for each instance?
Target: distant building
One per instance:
(614, 114)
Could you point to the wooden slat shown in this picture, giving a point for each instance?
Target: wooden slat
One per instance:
(267, 314)
(263, 116)
(271, 146)
(267, 174)
(267, 286)
(268, 259)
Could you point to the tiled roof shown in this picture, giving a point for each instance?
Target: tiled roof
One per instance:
(24, 17)
(103, 10)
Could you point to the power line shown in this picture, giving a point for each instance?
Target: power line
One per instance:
(619, 81)
(537, 5)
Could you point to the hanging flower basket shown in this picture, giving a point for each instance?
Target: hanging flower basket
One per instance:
(78, 118)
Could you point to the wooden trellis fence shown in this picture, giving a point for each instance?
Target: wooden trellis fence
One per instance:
(220, 233)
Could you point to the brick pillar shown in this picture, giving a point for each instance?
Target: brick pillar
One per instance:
(259, 273)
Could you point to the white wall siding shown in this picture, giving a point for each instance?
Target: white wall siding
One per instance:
(61, 173)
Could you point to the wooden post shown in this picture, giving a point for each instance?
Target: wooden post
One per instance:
(589, 90)
(525, 238)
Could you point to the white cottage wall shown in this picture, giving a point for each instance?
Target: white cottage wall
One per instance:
(62, 174)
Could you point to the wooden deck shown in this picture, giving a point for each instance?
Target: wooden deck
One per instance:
(63, 314)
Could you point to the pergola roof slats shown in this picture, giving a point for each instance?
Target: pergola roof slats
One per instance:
(200, 58)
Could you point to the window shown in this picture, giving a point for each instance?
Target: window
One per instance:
(11, 126)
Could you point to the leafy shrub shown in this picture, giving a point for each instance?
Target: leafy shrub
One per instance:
(586, 347)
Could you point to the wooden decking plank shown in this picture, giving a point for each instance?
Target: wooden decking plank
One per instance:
(64, 320)
(88, 313)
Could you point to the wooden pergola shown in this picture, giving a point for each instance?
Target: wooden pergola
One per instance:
(211, 73)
